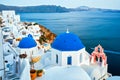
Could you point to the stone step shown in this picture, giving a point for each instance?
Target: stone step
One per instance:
(15, 78)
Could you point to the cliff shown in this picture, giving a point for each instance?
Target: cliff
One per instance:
(51, 9)
(47, 36)
(36, 9)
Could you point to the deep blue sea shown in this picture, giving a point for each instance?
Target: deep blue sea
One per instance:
(92, 27)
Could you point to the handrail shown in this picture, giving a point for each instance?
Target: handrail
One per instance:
(16, 53)
(102, 76)
(25, 70)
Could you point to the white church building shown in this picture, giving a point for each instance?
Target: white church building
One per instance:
(71, 61)
(69, 50)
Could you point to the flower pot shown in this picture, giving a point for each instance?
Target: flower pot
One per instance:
(18, 39)
(23, 55)
(39, 73)
(33, 74)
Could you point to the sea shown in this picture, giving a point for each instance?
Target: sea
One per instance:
(92, 27)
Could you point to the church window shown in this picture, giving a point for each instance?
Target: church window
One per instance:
(80, 58)
(57, 59)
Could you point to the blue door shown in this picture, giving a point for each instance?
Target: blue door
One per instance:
(69, 60)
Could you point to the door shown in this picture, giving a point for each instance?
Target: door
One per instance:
(69, 60)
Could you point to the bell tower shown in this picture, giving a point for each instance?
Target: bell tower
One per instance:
(98, 56)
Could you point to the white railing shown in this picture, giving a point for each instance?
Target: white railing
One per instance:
(25, 70)
(15, 52)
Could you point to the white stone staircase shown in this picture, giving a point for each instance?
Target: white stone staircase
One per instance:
(11, 76)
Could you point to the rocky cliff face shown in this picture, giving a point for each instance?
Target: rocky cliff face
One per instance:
(1, 21)
(47, 35)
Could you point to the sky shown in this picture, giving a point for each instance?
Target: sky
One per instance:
(107, 4)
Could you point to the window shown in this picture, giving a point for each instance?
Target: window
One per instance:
(69, 60)
(80, 58)
(56, 58)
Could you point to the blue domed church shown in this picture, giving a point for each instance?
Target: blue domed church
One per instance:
(67, 49)
(68, 52)
(28, 46)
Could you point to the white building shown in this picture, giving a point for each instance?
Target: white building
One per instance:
(69, 52)
(28, 45)
(11, 20)
(10, 17)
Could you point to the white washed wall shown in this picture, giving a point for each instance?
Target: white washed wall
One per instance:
(25, 70)
(1, 56)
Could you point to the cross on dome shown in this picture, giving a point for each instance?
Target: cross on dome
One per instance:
(67, 30)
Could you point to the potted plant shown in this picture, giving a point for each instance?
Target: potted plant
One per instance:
(34, 60)
(40, 72)
(33, 74)
(23, 55)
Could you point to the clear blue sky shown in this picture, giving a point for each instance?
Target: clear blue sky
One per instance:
(110, 4)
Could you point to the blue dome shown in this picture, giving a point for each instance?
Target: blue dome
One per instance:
(27, 42)
(67, 42)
